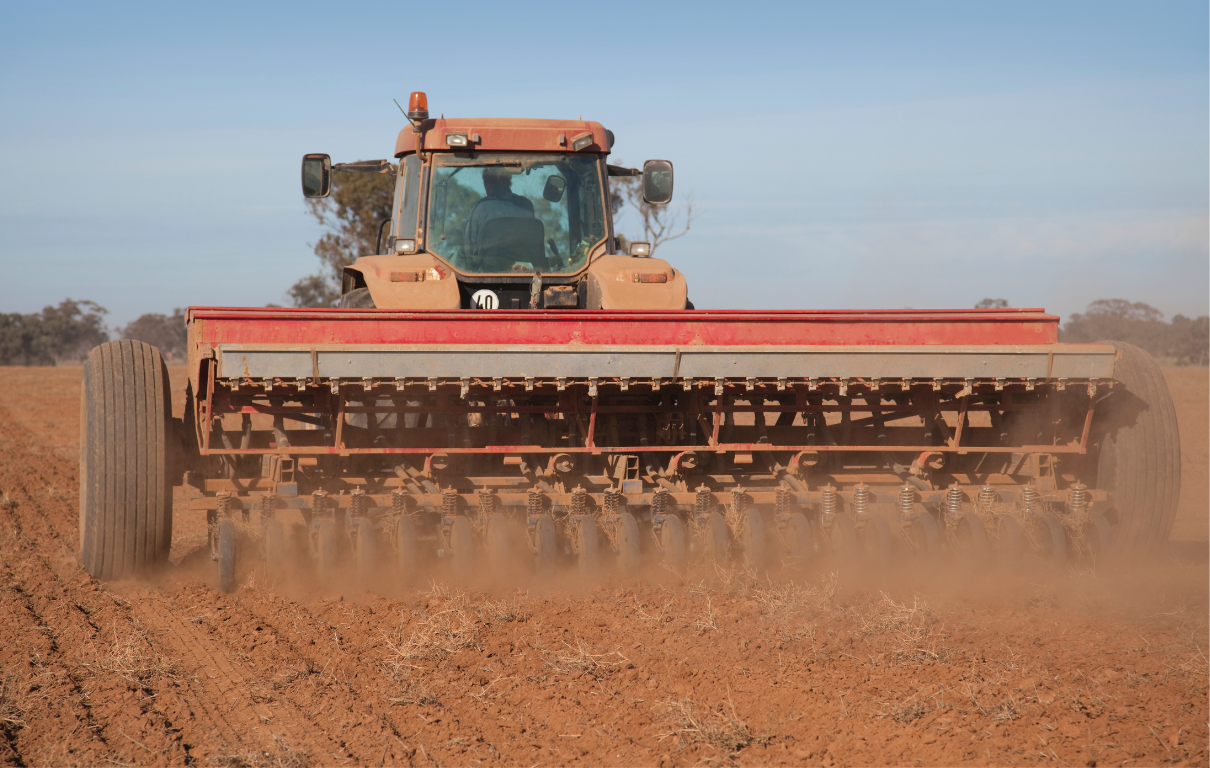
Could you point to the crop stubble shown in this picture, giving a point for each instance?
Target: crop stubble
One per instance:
(920, 665)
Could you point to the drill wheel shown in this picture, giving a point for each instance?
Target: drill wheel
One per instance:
(462, 549)
(546, 544)
(716, 543)
(629, 549)
(799, 541)
(672, 539)
(226, 555)
(407, 553)
(587, 543)
(275, 551)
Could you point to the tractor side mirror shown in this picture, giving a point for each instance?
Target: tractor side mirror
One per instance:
(657, 182)
(553, 191)
(316, 176)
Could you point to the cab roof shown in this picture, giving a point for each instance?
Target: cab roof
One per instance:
(505, 135)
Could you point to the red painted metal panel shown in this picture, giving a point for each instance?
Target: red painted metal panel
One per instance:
(959, 327)
(505, 134)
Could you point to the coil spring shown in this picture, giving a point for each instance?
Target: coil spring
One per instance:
(357, 503)
(268, 506)
(907, 502)
(487, 503)
(398, 502)
(579, 502)
(738, 497)
(1031, 500)
(781, 503)
(953, 502)
(987, 497)
(659, 502)
(533, 503)
(861, 501)
(319, 501)
(1077, 499)
(449, 502)
(828, 501)
(224, 504)
(702, 504)
(611, 502)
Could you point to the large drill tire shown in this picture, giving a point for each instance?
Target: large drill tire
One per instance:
(125, 428)
(1140, 452)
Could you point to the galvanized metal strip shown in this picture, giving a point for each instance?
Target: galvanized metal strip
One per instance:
(474, 361)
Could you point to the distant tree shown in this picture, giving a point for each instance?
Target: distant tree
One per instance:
(992, 304)
(1184, 340)
(1191, 340)
(1119, 320)
(55, 335)
(352, 214)
(164, 332)
(661, 223)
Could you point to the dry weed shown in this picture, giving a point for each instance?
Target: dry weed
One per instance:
(910, 628)
(717, 728)
(908, 711)
(11, 712)
(583, 658)
(131, 656)
(438, 635)
(280, 756)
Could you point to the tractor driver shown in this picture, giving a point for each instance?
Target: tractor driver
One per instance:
(499, 202)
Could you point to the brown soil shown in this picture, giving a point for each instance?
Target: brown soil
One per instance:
(904, 666)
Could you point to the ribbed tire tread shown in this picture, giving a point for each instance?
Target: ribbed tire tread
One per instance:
(1140, 452)
(125, 494)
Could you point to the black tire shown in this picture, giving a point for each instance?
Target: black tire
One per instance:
(462, 548)
(926, 534)
(1139, 459)
(407, 552)
(971, 536)
(499, 546)
(843, 536)
(365, 549)
(756, 554)
(1098, 536)
(716, 539)
(226, 555)
(1052, 538)
(275, 550)
(672, 538)
(325, 547)
(800, 541)
(629, 547)
(358, 298)
(586, 542)
(1012, 544)
(879, 541)
(546, 543)
(125, 428)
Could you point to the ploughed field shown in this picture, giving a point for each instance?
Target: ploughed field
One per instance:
(875, 663)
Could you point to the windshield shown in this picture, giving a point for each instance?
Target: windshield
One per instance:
(515, 212)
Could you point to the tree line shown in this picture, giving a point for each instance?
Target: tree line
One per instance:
(65, 333)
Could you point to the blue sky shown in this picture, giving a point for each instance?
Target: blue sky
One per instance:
(838, 155)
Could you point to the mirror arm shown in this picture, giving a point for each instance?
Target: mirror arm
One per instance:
(378, 245)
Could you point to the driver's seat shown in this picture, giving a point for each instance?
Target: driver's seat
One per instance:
(508, 240)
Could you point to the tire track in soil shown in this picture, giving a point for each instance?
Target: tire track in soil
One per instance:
(96, 705)
(224, 690)
(41, 521)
